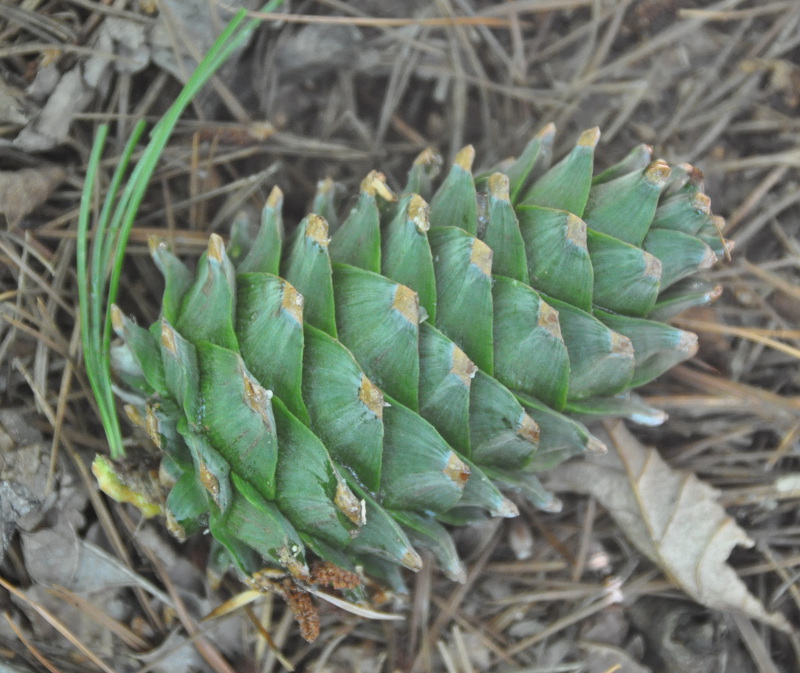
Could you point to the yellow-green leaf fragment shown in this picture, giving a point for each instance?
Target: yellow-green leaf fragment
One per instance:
(140, 490)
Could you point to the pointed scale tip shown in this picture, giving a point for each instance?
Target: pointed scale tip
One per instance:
(325, 186)
(621, 345)
(275, 198)
(375, 183)
(657, 173)
(216, 248)
(576, 230)
(418, 213)
(134, 415)
(465, 158)
(292, 302)
(406, 303)
(481, 257)
(411, 560)
(548, 320)
(595, 446)
(590, 137)
(547, 131)
(457, 573)
(168, 340)
(688, 344)
(317, 230)
(457, 470)
(428, 158)
(528, 429)
(152, 425)
(506, 509)
(349, 505)
(696, 176)
(117, 320)
(155, 243)
(256, 397)
(499, 186)
(701, 203)
(462, 367)
(710, 257)
(371, 396)
(652, 266)
(553, 505)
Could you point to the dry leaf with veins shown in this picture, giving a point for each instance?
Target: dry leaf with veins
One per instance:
(672, 518)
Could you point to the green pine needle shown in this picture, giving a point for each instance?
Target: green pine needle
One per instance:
(98, 282)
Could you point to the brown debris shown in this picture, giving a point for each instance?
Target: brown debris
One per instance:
(331, 575)
(303, 609)
(22, 191)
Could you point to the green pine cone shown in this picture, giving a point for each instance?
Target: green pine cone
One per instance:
(348, 391)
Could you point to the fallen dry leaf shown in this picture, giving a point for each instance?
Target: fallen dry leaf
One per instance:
(22, 191)
(671, 517)
(12, 108)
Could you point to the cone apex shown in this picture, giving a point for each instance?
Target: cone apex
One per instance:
(464, 368)
(275, 198)
(481, 257)
(621, 345)
(506, 509)
(701, 203)
(406, 302)
(418, 212)
(117, 319)
(547, 131)
(652, 266)
(498, 186)
(657, 173)
(375, 183)
(133, 415)
(154, 243)
(590, 137)
(411, 560)
(216, 248)
(465, 158)
(688, 343)
(576, 230)
(317, 230)
(457, 470)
